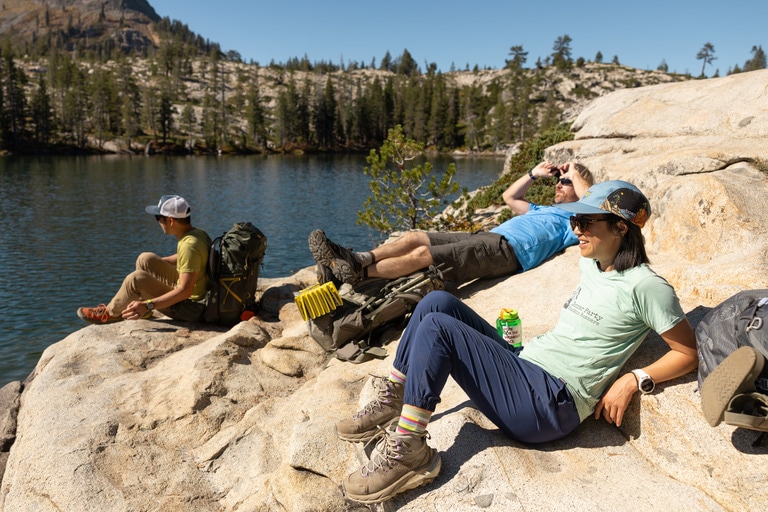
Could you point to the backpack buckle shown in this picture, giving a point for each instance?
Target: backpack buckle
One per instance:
(755, 323)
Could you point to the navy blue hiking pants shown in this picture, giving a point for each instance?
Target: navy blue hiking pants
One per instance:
(446, 337)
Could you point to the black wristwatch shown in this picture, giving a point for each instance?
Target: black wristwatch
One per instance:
(644, 382)
(530, 175)
(150, 305)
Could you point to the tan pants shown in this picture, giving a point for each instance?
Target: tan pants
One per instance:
(152, 278)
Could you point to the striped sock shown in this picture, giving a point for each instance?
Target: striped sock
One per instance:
(413, 420)
(396, 376)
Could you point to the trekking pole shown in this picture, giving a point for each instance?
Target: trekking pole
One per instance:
(407, 286)
(426, 276)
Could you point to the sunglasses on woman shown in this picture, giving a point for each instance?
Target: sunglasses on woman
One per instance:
(583, 222)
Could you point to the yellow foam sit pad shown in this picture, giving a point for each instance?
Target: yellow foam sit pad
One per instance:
(318, 300)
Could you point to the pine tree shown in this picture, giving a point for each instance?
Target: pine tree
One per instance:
(405, 65)
(303, 114)
(450, 134)
(14, 105)
(150, 105)
(325, 115)
(500, 120)
(74, 109)
(561, 56)
(129, 101)
(105, 111)
(519, 57)
(706, 55)
(440, 115)
(359, 121)
(757, 61)
(255, 116)
(187, 122)
(404, 197)
(386, 63)
(285, 116)
(209, 123)
(165, 111)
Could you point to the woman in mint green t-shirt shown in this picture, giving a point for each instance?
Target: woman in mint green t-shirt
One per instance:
(542, 392)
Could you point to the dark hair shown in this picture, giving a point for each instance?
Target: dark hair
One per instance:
(185, 220)
(632, 251)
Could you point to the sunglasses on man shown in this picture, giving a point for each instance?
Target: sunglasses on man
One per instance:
(563, 181)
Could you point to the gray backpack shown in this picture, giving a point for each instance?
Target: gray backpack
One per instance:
(741, 320)
(350, 331)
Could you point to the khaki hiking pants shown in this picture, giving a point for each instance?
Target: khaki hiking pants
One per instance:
(152, 278)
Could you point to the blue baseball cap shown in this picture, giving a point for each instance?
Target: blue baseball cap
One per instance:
(615, 196)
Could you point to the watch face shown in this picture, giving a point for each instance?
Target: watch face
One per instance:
(646, 385)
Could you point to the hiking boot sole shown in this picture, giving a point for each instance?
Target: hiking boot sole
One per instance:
(411, 480)
(98, 321)
(736, 374)
(318, 246)
(343, 271)
(323, 253)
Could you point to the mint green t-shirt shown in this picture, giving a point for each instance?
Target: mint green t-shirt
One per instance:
(601, 326)
(192, 256)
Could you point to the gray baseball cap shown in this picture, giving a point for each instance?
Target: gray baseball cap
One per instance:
(170, 206)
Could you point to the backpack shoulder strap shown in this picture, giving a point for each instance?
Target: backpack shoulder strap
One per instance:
(359, 352)
(752, 325)
(214, 260)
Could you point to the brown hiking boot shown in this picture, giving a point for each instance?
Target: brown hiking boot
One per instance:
(97, 315)
(399, 463)
(339, 259)
(380, 411)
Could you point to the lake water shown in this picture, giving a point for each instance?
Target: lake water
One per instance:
(73, 226)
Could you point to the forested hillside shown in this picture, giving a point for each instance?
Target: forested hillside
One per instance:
(113, 76)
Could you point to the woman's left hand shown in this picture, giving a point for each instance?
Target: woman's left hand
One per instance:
(616, 400)
(679, 360)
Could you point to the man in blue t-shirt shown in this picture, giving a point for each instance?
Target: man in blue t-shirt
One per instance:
(534, 234)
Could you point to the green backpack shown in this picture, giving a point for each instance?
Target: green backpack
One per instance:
(234, 261)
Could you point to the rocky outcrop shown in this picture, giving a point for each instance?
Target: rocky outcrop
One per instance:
(699, 150)
(155, 415)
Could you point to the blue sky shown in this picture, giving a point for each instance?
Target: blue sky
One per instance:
(480, 32)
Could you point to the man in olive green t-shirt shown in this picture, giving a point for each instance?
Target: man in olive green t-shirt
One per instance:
(174, 285)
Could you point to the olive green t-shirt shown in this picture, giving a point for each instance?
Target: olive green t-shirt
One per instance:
(192, 256)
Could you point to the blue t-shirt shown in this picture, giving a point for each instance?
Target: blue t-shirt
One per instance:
(538, 234)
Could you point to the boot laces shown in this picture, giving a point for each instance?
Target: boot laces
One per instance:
(389, 450)
(383, 387)
(385, 456)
